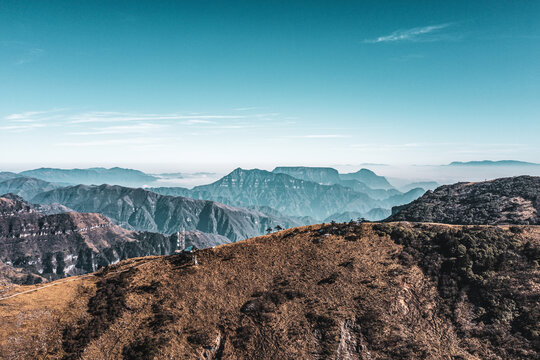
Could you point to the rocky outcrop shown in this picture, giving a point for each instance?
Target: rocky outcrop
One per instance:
(514, 200)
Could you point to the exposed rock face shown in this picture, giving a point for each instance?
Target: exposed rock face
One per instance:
(54, 246)
(345, 291)
(25, 187)
(139, 209)
(116, 175)
(320, 175)
(514, 200)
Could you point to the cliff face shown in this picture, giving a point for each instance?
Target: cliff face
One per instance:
(514, 200)
(53, 246)
(320, 175)
(344, 291)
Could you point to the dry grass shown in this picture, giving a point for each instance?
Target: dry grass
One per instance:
(306, 293)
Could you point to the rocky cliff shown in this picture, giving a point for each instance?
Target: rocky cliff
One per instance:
(514, 200)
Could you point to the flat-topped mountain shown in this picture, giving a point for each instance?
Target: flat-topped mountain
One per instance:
(139, 209)
(320, 175)
(514, 200)
(116, 176)
(344, 291)
(493, 163)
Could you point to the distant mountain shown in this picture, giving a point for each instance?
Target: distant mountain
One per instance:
(493, 163)
(514, 200)
(140, 209)
(426, 185)
(286, 194)
(369, 178)
(373, 215)
(26, 187)
(6, 175)
(171, 191)
(320, 175)
(402, 198)
(377, 194)
(364, 180)
(296, 197)
(113, 176)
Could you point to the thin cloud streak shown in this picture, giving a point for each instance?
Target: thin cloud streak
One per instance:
(326, 136)
(417, 34)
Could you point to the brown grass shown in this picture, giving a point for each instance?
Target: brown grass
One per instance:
(314, 292)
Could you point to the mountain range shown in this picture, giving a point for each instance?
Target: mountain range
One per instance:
(294, 196)
(140, 209)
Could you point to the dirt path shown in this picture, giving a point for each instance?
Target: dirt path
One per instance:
(66, 280)
(48, 285)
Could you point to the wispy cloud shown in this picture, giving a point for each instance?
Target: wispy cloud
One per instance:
(35, 116)
(121, 129)
(22, 52)
(120, 117)
(123, 141)
(21, 128)
(315, 136)
(417, 34)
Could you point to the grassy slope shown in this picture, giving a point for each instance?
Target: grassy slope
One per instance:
(306, 293)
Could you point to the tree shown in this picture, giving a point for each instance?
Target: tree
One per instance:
(269, 230)
(278, 228)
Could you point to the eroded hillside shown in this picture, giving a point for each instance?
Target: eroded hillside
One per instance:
(344, 291)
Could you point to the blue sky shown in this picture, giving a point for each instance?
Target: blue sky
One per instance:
(175, 84)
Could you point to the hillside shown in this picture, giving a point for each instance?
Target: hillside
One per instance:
(350, 291)
(514, 200)
(139, 209)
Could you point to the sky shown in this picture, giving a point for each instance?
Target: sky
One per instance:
(175, 85)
